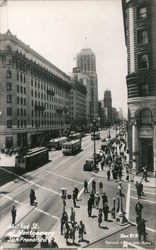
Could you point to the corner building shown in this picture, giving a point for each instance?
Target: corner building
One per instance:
(34, 95)
(140, 35)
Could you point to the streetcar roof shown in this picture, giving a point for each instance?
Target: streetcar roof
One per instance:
(58, 139)
(71, 142)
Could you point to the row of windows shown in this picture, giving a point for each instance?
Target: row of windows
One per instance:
(45, 123)
(21, 89)
(21, 77)
(21, 100)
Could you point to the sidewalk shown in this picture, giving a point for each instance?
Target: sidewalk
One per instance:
(151, 180)
(94, 233)
(22, 211)
(7, 161)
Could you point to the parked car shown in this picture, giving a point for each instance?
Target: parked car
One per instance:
(89, 165)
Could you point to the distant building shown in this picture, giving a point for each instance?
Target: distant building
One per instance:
(108, 104)
(140, 36)
(86, 61)
(34, 95)
(78, 104)
(85, 80)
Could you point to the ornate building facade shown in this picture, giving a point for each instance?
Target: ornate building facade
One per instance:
(34, 95)
(140, 36)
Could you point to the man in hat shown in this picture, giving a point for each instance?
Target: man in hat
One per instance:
(105, 211)
(53, 244)
(13, 214)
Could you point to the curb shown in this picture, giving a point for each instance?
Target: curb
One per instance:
(102, 238)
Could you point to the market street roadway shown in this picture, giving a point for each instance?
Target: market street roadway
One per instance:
(47, 181)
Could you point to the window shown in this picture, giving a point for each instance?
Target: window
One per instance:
(143, 61)
(9, 111)
(9, 123)
(21, 100)
(18, 123)
(17, 76)
(17, 99)
(8, 74)
(144, 90)
(17, 88)
(21, 123)
(21, 89)
(142, 37)
(18, 111)
(145, 117)
(21, 112)
(8, 86)
(24, 112)
(25, 123)
(9, 99)
(21, 78)
(24, 90)
(24, 101)
(142, 13)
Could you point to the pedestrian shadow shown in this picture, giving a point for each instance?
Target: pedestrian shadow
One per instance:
(94, 216)
(87, 241)
(73, 244)
(104, 227)
(110, 220)
(77, 206)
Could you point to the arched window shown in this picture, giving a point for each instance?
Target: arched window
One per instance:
(146, 117)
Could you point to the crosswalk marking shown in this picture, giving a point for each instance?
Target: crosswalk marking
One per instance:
(136, 198)
(22, 178)
(63, 177)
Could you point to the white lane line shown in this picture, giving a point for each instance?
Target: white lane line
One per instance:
(145, 192)
(63, 177)
(128, 200)
(9, 198)
(82, 190)
(21, 203)
(127, 243)
(43, 212)
(150, 229)
(21, 177)
(136, 198)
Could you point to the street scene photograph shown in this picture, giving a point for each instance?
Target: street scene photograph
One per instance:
(78, 124)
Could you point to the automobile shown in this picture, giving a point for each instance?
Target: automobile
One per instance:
(88, 165)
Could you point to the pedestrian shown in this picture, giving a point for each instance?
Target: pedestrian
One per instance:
(127, 172)
(53, 244)
(72, 232)
(13, 214)
(141, 228)
(139, 208)
(85, 186)
(92, 198)
(44, 242)
(102, 165)
(67, 232)
(76, 192)
(74, 198)
(104, 198)
(141, 188)
(100, 186)
(97, 200)
(138, 188)
(82, 230)
(64, 219)
(72, 215)
(94, 186)
(99, 217)
(108, 174)
(89, 207)
(32, 197)
(105, 211)
(144, 173)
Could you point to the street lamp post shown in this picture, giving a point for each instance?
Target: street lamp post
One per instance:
(120, 218)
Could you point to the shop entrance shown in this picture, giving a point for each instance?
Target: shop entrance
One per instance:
(147, 153)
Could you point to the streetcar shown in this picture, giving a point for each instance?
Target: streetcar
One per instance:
(95, 136)
(71, 147)
(33, 158)
(57, 143)
(74, 136)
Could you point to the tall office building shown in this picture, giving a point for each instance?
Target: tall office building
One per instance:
(140, 36)
(86, 61)
(108, 104)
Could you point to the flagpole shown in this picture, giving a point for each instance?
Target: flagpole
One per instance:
(7, 17)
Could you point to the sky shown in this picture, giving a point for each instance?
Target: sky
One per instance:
(57, 31)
